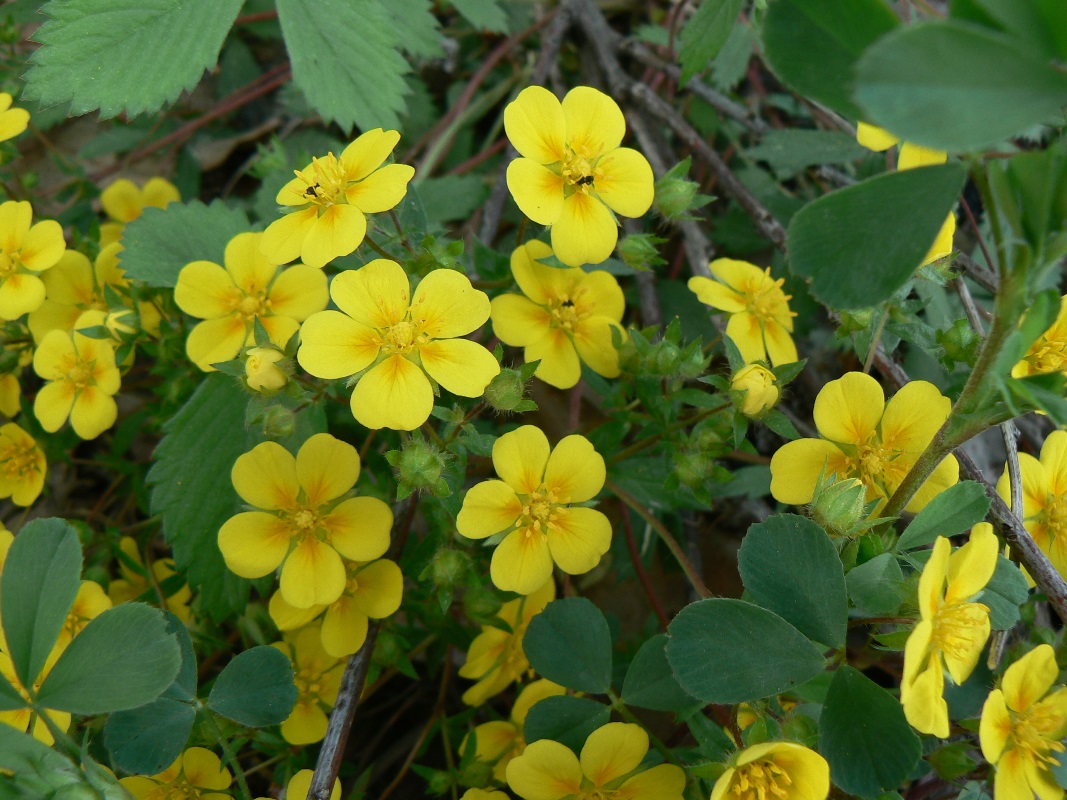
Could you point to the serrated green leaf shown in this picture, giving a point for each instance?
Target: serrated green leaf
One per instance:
(346, 60)
(1004, 593)
(122, 659)
(415, 27)
(876, 586)
(954, 86)
(813, 45)
(127, 56)
(729, 651)
(568, 720)
(705, 34)
(650, 683)
(953, 511)
(790, 566)
(886, 223)
(570, 644)
(256, 688)
(41, 578)
(486, 15)
(161, 241)
(865, 737)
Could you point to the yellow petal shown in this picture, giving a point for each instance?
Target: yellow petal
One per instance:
(326, 468)
(914, 155)
(945, 474)
(1054, 463)
(15, 219)
(204, 769)
(215, 340)
(13, 121)
(337, 232)
(796, 466)
(488, 507)
(53, 354)
(662, 782)
(1012, 782)
(266, 477)
(995, 727)
(381, 190)
(517, 321)
(122, 200)
(971, 567)
(520, 457)
(916, 653)
(538, 191)
(594, 121)
(20, 294)
(547, 770)
(848, 410)
(448, 305)
(298, 292)
(300, 785)
(535, 125)
(717, 295)
(521, 563)
(602, 295)
(53, 404)
(253, 543)
(585, 232)
(395, 394)
(375, 295)
(1026, 681)
(932, 579)
(780, 346)
(461, 366)
(746, 331)
(575, 471)
(344, 628)
(961, 661)
(380, 589)
(251, 271)
(160, 193)
(333, 345)
(367, 152)
(205, 290)
(284, 238)
(913, 416)
(287, 617)
(560, 365)
(942, 245)
(94, 411)
(577, 540)
(306, 725)
(359, 528)
(531, 695)
(312, 575)
(541, 283)
(595, 345)
(613, 750)
(874, 138)
(624, 182)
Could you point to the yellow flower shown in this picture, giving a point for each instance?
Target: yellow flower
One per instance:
(760, 324)
(25, 252)
(135, 583)
(399, 341)
(760, 388)
(500, 741)
(317, 676)
(21, 718)
(572, 174)
(22, 465)
(9, 395)
(197, 774)
(230, 300)
(952, 629)
(262, 373)
(779, 770)
(330, 198)
(868, 439)
(13, 121)
(565, 318)
(532, 505)
(1044, 508)
(73, 286)
(123, 202)
(496, 658)
(82, 379)
(1049, 352)
(1023, 723)
(300, 784)
(548, 770)
(306, 525)
(372, 591)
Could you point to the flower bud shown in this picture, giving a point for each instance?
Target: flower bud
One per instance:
(262, 371)
(674, 197)
(761, 390)
(506, 391)
(639, 251)
(278, 422)
(840, 506)
(418, 465)
(448, 567)
(664, 358)
(693, 468)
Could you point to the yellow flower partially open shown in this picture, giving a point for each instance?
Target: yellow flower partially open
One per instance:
(572, 174)
(779, 770)
(1049, 352)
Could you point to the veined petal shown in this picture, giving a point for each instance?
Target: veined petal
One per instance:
(517, 321)
(367, 152)
(15, 219)
(624, 182)
(538, 191)
(333, 345)
(488, 508)
(1042, 782)
(289, 618)
(781, 349)
(716, 294)
(578, 538)
(746, 331)
(93, 412)
(1026, 681)
(848, 410)
(1011, 781)
(380, 589)
(961, 661)
(913, 416)
(215, 340)
(575, 471)
(916, 654)
(461, 366)
(448, 305)
(522, 562)
(253, 543)
(359, 528)
(20, 294)
(55, 351)
(602, 295)
(337, 232)
(53, 404)
(595, 346)
(122, 200)
(344, 628)
(520, 457)
(613, 750)
(535, 125)
(560, 366)
(250, 270)
(796, 466)
(547, 770)
(382, 189)
(312, 574)
(376, 295)
(279, 330)
(971, 567)
(395, 394)
(541, 283)
(585, 232)
(326, 468)
(494, 739)
(594, 121)
(266, 477)
(298, 292)
(205, 290)
(284, 238)
(932, 579)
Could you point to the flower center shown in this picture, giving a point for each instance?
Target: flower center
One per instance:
(1033, 733)
(248, 306)
(403, 337)
(9, 263)
(877, 467)
(579, 173)
(565, 312)
(539, 512)
(765, 299)
(1055, 515)
(760, 780)
(309, 687)
(325, 181)
(1048, 354)
(174, 791)
(958, 629)
(19, 461)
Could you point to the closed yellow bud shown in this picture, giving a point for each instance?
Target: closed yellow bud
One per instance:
(262, 370)
(761, 390)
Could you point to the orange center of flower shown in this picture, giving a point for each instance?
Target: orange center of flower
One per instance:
(403, 337)
(760, 780)
(878, 466)
(248, 305)
(539, 512)
(959, 628)
(309, 686)
(579, 173)
(1034, 731)
(325, 181)
(19, 462)
(9, 263)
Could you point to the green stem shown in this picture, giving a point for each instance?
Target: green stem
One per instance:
(229, 756)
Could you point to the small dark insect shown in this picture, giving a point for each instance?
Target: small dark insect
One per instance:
(567, 304)
(312, 191)
(585, 180)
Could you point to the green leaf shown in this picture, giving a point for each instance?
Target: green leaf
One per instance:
(487, 15)
(865, 737)
(452, 197)
(790, 150)
(1004, 593)
(955, 510)
(21, 753)
(346, 60)
(650, 683)
(813, 45)
(256, 689)
(415, 27)
(958, 87)
(148, 739)
(123, 658)
(790, 566)
(161, 241)
(705, 34)
(876, 586)
(41, 577)
(730, 651)
(569, 643)
(1041, 24)
(886, 224)
(10, 699)
(568, 720)
(127, 56)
